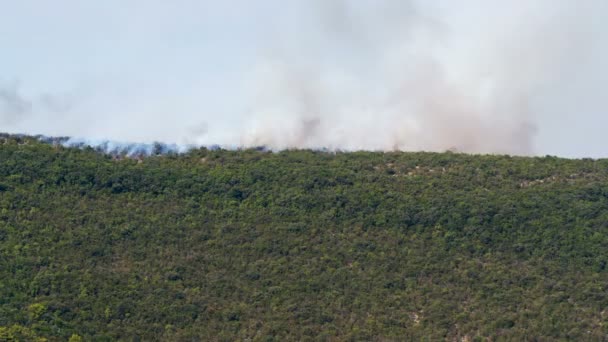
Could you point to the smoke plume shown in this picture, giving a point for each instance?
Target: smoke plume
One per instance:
(426, 88)
(326, 74)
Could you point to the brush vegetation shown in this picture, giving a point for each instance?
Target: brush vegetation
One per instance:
(300, 245)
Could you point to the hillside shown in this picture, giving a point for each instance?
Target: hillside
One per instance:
(300, 245)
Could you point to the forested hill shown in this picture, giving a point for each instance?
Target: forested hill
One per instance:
(300, 245)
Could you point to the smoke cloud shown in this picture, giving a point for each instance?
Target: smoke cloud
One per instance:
(427, 88)
(17, 108)
(12, 105)
(340, 74)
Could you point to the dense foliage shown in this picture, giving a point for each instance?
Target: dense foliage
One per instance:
(300, 245)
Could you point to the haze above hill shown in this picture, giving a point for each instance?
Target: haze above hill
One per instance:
(514, 77)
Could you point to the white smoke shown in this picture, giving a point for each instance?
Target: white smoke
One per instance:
(351, 75)
(427, 87)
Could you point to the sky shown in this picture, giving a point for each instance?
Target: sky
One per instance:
(482, 76)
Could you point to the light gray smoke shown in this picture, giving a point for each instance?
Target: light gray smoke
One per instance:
(480, 76)
(12, 105)
(17, 108)
(392, 75)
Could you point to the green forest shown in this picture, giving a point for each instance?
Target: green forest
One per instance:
(300, 245)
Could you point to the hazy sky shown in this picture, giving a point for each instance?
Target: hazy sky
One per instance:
(520, 76)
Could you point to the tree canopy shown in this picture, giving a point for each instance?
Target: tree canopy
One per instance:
(300, 245)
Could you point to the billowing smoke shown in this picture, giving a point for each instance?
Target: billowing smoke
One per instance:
(427, 87)
(335, 74)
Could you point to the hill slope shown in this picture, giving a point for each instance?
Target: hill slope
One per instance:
(300, 245)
